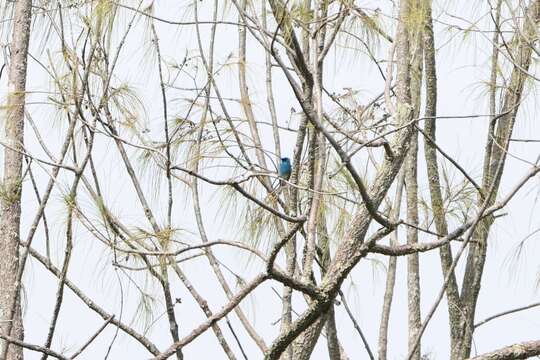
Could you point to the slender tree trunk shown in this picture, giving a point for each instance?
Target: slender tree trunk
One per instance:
(334, 351)
(441, 225)
(10, 201)
(413, 267)
(512, 96)
(292, 194)
(411, 176)
(244, 91)
(391, 275)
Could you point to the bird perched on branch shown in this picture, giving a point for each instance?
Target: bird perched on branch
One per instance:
(285, 168)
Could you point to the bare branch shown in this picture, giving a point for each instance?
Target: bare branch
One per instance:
(524, 350)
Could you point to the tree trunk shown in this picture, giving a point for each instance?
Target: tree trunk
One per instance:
(10, 202)
(437, 205)
(416, 29)
(494, 169)
(391, 275)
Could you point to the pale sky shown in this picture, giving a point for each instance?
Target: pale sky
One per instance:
(462, 68)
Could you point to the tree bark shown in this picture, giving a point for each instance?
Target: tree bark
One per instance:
(11, 324)
(523, 39)
(437, 205)
(416, 20)
(513, 352)
(391, 275)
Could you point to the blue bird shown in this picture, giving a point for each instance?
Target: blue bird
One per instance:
(285, 168)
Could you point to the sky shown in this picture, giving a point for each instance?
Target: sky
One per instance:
(463, 69)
